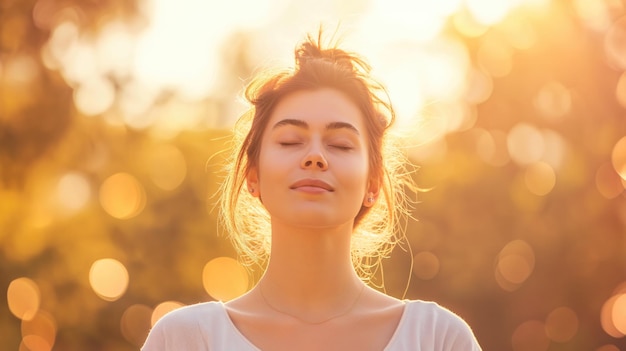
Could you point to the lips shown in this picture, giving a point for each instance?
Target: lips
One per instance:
(311, 184)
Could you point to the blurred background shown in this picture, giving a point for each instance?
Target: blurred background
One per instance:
(114, 115)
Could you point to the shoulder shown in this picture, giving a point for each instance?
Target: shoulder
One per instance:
(183, 325)
(445, 327)
(431, 311)
(190, 315)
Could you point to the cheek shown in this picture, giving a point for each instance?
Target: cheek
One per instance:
(272, 167)
(355, 174)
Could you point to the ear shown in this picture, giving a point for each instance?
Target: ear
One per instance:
(252, 182)
(371, 195)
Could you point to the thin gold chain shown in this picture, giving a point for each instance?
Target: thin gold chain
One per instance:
(348, 310)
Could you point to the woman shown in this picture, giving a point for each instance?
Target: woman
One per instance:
(325, 183)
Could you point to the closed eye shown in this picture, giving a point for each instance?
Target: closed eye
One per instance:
(290, 143)
(342, 147)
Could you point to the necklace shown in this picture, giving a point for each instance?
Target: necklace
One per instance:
(348, 310)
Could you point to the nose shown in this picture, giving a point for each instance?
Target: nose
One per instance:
(314, 159)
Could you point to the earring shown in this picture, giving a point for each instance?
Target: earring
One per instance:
(370, 199)
(251, 190)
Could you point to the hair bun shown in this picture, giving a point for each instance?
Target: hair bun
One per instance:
(311, 50)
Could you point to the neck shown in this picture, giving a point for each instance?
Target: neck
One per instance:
(310, 272)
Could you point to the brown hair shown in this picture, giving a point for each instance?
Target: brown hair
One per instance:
(376, 229)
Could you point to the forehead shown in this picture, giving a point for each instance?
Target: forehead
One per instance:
(318, 108)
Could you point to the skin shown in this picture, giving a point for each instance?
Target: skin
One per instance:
(312, 176)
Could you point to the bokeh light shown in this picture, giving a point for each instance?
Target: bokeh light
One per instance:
(525, 144)
(530, 336)
(553, 101)
(24, 298)
(62, 38)
(18, 72)
(94, 96)
(122, 196)
(135, 323)
(608, 182)
(114, 49)
(557, 149)
(540, 178)
(619, 313)
(73, 191)
(479, 87)
(425, 265)
(167, 167)
(164, 308)
(39, 333)
(495, 57)
(108, 278)
(561, 324)
(515, 263)
(491, 147)
(224, 278)
(34, 343)
(593, 13)
(135, 101)
(518, 31)
(608, 347)
(79, 63)
(619, 157)
(609, 320)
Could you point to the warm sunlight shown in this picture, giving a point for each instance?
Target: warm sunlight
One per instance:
(116, 122)
(179, 49)
(404, 40)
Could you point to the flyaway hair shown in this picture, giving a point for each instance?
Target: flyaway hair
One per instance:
(377, 229)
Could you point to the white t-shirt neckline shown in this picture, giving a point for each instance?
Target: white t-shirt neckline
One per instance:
(226, 316)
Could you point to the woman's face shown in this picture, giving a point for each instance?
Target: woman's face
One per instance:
(313, 163)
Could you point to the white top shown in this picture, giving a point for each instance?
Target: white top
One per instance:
(424, 326)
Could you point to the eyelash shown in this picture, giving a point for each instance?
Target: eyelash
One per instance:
(339, 147)
(288, 144)
(342, 148)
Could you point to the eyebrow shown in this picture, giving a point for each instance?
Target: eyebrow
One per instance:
(302, 124)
